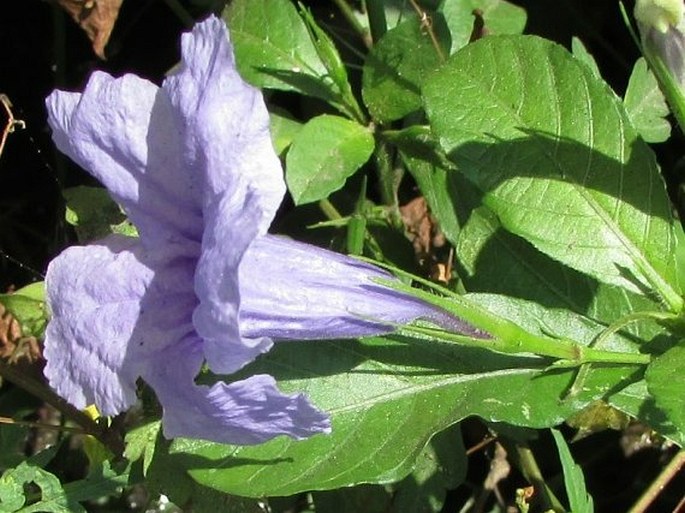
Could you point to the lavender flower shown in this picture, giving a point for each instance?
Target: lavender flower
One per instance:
(193, 166)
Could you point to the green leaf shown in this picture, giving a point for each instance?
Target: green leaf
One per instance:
(423, 158)
(663, 384)
(101, 481)
(283, 130)
(500, 17)
(273, 48)
(361, 499)
(555, 155)
(579, 500)
(388, 396)
(441, 466)
(327, 151)
(54, 498)
(94, 214)
(635, 400)
(140, 443)
(396, 66)
(645, 104)
(328, 53)
(581, 53)
(27, 305)
(495, 260)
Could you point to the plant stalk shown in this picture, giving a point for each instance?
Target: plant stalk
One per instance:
(108, 438)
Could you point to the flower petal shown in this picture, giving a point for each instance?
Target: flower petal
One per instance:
(244, 412)
(126, 134)
(226, 121)
(230, 228)
(292, 290)
(113, 307)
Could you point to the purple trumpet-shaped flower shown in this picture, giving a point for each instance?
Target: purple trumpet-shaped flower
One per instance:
(193, 166)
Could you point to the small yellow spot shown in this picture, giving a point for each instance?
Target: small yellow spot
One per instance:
(92, 412)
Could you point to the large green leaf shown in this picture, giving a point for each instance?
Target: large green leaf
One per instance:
(557, 159)
(273, 48)
(323, 154)
(388, 396)
(396, 66)
(495, 260)
(499, 17)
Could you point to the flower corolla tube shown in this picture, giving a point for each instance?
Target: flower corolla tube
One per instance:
(193, 166)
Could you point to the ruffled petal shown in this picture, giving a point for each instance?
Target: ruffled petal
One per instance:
(112, 307)
(311, 293)
(125, 133)
(230, 228)
(244, 412)
(226, 122)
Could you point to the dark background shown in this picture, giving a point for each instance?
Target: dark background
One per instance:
(41, 48)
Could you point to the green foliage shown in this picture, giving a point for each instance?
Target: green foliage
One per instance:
(29, 488)
(646, 105)
(579, 500)
(323, 155)
(499, 17)
(539, 177)
(283, 130)
(396, 66)
(404, 391)
(94, 215)
(663, 385)
(557, 160)
(27, 305)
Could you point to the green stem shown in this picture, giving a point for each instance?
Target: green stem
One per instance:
(629, 319)
(531, 471)
(388, 177)
(377, 22)
(108, 438)
(571, 354)
(427, 25)
(507, 337)
(348, 13)
(673, 93)
(329, 209)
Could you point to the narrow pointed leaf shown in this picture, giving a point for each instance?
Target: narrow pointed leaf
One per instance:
(557, 159)
(579, 500)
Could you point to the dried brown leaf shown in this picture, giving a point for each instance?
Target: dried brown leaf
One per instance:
(13, 345)
(96, 18)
